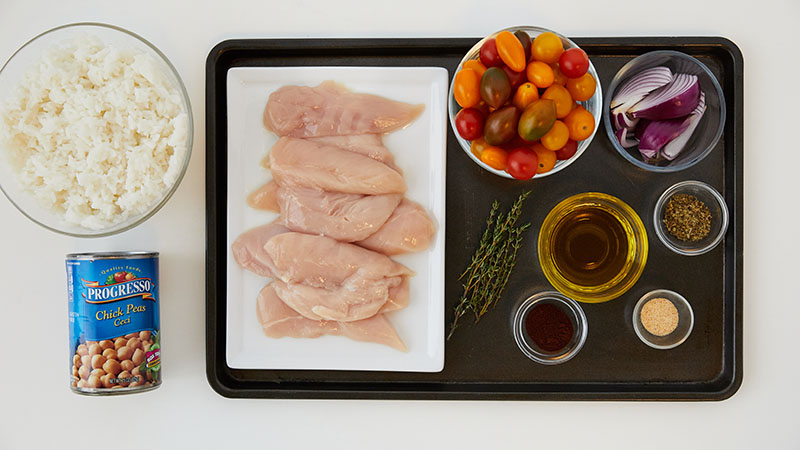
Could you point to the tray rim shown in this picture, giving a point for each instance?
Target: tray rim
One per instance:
(224, 384)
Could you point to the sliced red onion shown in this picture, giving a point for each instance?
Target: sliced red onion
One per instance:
(639, 85)
(673, 148)
(625, 138)
(675, 99)
(656, 133)
(621, 120)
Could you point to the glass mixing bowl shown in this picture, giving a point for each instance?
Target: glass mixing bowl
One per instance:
(708, 131)
(592, 247)
(593, 105)
(12, 73)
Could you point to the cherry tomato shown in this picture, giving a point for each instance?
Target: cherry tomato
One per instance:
(488, 54)
(495, 88)
(501, 125)
(477, 147)
(525, 95)
(522, 163)
(556, 138)
(580, 123)
(525, 40)
(469, 123)
(511, 51)
(475, 65)
(558, 77)
(540, 74)
(494, 157)
(573, 63)
(547, 159)
(515, 78)
(547, 47)
(560, 95)
(567, 151)
(582, 88)
(466, 88)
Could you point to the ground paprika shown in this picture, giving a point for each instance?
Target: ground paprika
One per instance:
(549, 327)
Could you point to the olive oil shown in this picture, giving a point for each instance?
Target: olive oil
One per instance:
(590, 246)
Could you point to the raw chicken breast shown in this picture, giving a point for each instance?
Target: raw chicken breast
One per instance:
(409, 229)
(248, 249)
(278, 320)
(265, 197)
(331, 109)
(365, 144)
(341, 303)
(344, 217)
(320, 261)
(301, 162)
(399, 296)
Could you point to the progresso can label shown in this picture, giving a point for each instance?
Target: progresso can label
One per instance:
(114, 331)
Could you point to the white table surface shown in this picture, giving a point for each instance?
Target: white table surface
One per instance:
(37, 410)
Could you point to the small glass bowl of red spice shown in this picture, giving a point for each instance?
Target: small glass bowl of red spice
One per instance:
(690, 218)
(663, 319)
(550, 328)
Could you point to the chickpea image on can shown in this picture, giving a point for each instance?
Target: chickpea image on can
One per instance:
(114, 322)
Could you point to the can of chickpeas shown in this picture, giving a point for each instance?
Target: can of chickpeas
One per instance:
(114, 332)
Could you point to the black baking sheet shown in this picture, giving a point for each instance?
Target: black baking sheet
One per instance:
(483, 361)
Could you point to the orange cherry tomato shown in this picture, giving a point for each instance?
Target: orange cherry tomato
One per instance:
(560, 95)
(540, 74)
(494, 157)
(467, 88)
(511, 51)
(525, 95)
(547, 48)
(580, 123)
(559, 78)
(557, 137)
(477, 147)
(547, 158)
(582, 88)
(475, 65)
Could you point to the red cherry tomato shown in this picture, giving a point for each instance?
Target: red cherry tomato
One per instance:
(573, 63)
(567, 151)
(489, 56)
(515, 78)
(469, 123)
(522, 163)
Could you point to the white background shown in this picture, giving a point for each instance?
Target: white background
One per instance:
(37, 410)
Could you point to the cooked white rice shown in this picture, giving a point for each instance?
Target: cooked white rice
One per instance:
(95, 132)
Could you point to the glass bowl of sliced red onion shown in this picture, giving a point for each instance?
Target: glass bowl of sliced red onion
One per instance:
(665, 111)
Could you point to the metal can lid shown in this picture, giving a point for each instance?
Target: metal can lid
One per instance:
(112, 255)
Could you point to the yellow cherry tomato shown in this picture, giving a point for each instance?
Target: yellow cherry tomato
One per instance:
(580, 123)
(557, 137)
(475, 65)
(525, 95)
(559, 78)
(582, 88)
(511, 51)
(494, 157)
(547, 158)
(477, 147)
(467, 88)
(560, 95)
(547, 48)
(540, 74)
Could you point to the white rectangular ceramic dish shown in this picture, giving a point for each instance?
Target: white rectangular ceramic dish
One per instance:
(419, 150)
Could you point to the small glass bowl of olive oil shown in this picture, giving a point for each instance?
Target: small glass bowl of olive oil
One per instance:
(592, 247)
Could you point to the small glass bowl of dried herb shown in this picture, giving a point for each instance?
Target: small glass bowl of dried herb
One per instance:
(690, 218)
(550, 328)
(663, 319)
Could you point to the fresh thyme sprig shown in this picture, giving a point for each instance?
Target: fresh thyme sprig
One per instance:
(486, 276)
